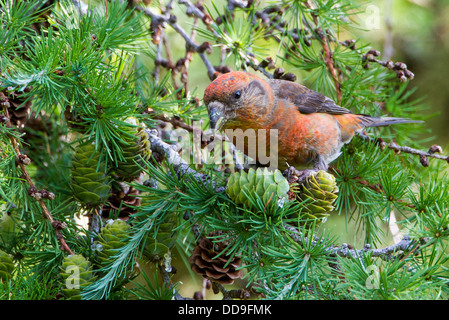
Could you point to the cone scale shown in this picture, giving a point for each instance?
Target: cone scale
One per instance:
(135, 150)
(76, 274)
(318, 192)
(269, 186)
(89, 182)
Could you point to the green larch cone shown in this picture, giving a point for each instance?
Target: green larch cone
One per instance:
(269, 186)
(321, 190)
(6, 266)
(89, 181)
(76, 274)
(134, 149)
(165, 239)
(111, 237)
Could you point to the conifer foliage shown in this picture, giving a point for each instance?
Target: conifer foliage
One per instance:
(93, 174)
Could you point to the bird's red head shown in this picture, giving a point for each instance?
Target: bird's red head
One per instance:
(226, 85)
(239, 98)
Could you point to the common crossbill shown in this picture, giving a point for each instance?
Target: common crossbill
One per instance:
(311, 128)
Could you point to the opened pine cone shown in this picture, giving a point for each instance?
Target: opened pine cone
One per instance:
(222, 269)
(123, 199)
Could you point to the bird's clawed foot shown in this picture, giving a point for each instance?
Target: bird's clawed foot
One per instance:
(297, 176)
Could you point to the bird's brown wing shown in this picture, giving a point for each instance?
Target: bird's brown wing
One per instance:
(306, 100)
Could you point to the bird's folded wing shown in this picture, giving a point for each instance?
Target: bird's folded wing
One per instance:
(306, 100)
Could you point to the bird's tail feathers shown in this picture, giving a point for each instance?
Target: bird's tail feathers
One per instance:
(385, 121)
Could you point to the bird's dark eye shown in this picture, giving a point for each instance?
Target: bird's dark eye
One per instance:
(237, 94)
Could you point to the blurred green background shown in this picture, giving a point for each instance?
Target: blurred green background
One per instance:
(416, 32)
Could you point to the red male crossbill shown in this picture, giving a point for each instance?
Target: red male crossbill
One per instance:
(311, 128)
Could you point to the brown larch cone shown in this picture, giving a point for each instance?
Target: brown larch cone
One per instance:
(39, 126)
(18, 106)
(120, 200)
(203, 262)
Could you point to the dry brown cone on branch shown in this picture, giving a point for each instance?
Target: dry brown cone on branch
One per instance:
(18, 106)
(121, 199)
(222, 269)
(37, 128)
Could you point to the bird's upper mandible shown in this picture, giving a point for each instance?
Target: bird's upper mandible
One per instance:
(241, 99)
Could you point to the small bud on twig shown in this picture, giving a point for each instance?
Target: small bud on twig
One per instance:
(409, 74)
(173, 18)
(244, 294)
(207, 20)
(34, 193)
(180, 63)
(424, 160)
(370, 57)
(197, 295)
(289, 77)
(382, 144)
(350, 43)
(58, 225)
(222, 69)
(47, 194)
(278, 72)
(375, 53)
(400, 66)
(267, 63)
(389, 64)
(401, 76)
(435, 149)
(23, 158)
(163, 62)
(205, 46)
